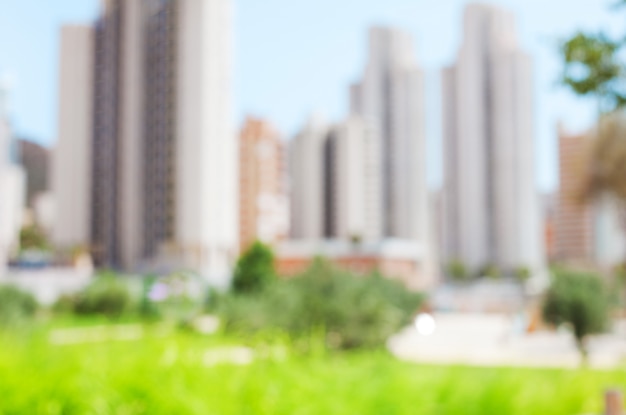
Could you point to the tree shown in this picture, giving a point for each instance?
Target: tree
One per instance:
(522, 273)
(33, 237)
(489, 271)
(457, 270)
(594, 66)
(255, 269)
(580, 300)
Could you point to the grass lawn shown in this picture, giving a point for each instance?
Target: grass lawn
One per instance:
(176, 373)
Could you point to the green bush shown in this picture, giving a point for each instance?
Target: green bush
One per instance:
(580, 300)
(107, 295)
(178, 296)
(457, 271)
(255, 269)
(16, 306)
(522, 274)
(490, 271)
(352, 311)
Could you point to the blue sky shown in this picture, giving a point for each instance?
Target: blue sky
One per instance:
(295, 57)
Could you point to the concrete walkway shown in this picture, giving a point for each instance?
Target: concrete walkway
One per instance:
(499, 340)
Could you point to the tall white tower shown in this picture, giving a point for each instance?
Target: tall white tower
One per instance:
(71, 158)
(206, 224)
(12, 186)
(390, 98)
(353, 182)
(490, 198)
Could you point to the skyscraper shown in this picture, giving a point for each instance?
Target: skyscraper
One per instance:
(390, 99)
(352, 182)
(306, 181)
(163, 153)
(491, 204)
(12, 186)
(263, 203)
(574, 218)
(71, 158)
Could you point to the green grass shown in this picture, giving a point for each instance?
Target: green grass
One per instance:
(165, 374)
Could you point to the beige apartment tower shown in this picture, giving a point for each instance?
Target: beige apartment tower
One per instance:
(574, 217)
(263, 203)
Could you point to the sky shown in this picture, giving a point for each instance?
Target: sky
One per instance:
(296, 57)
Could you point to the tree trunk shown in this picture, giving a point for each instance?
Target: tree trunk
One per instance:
(584, 351)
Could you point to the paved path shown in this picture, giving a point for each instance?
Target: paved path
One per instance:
(498, 340)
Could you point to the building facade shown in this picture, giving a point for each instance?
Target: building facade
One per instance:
(71, 158)
(352, 179)
(263, 203)
(162, 152)
(12, 186)
(306, 181)
(490, 198)
(574, 217)
(390, 98)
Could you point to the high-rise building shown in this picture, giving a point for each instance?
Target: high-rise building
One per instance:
(574, 217)
(163, 156)
(491, 202)
(352, 184)
(306, 181)
(71, 157)
(12, 186)
(390, 99)
(263, 204)
(586, 232)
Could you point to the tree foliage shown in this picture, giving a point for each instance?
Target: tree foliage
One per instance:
(33, 237)
(457, 270)
(16, 306)
(350, 311)
(594, 66)
(255, 269)
(107, 295)
(580, 300)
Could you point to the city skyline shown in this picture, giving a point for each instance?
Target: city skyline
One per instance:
(35, 112)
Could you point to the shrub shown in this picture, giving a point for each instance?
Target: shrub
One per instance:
(580, 300)
(490, 271)
(33, 238)
(255, 269)
(522, 274)
(457, 270)
(107, 295)
(352, 311)
(177, 296)
(16, 306)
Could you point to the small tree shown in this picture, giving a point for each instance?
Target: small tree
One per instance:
(457, 270)
(107, 295)
(522, 273)
(16, 306)
(490, 271)
(33, 237)
(255, 269)
(580, 300)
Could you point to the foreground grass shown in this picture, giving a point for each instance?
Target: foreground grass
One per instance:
(167, 374)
